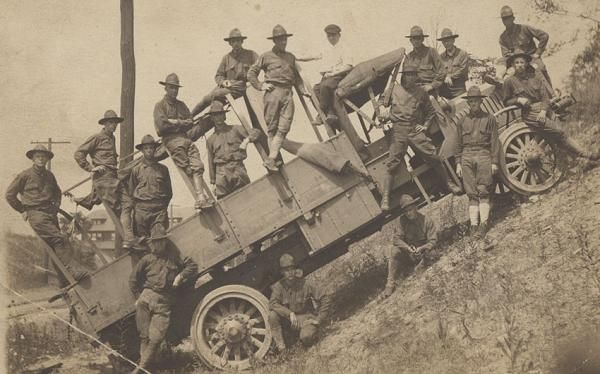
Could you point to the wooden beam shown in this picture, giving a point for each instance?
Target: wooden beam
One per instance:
(310, 117)
(359, 112)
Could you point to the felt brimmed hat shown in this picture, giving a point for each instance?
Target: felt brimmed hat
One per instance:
(407, 201)
(217, 107)
(332, 29)
(278, 31)
(158, 232)
(474, 92)
(506, 11)
(287, 261)
(235, 34)
(110, 115)
(171, 79)
(517, 53)
(447, 34)
(416, 31)
(39, 148)
(147, 139)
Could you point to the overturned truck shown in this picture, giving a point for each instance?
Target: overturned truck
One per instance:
(314, 208)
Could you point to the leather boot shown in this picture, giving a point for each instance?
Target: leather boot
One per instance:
(202, 201)
(385, 194)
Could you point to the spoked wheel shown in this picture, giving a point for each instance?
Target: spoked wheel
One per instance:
(230, 328)
(529, 163)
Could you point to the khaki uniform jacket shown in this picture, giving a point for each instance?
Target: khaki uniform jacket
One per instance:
(300, 298)
(101, 149)
(37, 187)
(223, 146)
(478, 130)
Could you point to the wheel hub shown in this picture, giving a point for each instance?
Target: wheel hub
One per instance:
(532, 156)
(234, 328)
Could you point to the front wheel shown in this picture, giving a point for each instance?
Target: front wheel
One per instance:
(529, 163)
(230, 328)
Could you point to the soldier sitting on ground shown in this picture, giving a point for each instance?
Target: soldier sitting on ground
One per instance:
(415, 238)
(39, 202)
(226, 149)
(153, 283)
(296, 305)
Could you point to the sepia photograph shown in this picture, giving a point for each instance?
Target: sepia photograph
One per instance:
(287, 187)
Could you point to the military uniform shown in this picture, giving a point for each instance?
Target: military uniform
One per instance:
(429, 64)
(105, 186)
(456, 66)
(40, 198)
(152, 283)
(233, 68)
(305, 301)
(150, 189)
(226, 159)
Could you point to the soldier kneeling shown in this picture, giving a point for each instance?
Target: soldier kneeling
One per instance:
(296, 305)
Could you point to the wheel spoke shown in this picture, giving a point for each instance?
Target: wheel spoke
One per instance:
(213, 315)
(517, 171)
(250, 312)
(514, 148)
(514, 156)
(524, 176)
(232, 306)
(512, 164)
(237, 353)
(225, 355)
(534, 178)
(222, 309)
(527, 139)
(258, 331)
(256, 321)
(520, 142)
(210, 325)
(256, 342)
(217, 346)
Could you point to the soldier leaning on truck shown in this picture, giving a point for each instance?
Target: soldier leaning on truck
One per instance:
(226, 150)
(415, 237)
(149, 189)
(172, 120)
(296, 305)
(281, 75)
(430, 69)
(232, 72)
(411, 114)
(456, 66)
(526, 89)
(153, 282)
(103, 153)
(477, 158)
(39, 202)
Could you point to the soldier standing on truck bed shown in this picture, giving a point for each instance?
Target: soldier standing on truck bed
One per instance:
(281, 74)
(103, 153)
(226, 149)
(430, 69)
(477, 158)
(232, 72)
(39, 202)
(153, 283)
(519, 37)
(456, 66)
(411, 114)
(149, 189)
(172, 120)
(415, 237)
(526, 90)
(296, 305)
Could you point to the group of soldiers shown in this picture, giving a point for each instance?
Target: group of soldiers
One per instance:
(139, 194)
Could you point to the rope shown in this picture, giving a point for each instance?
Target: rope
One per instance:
(110, 350)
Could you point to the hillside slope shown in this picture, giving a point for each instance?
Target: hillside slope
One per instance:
(519, 308)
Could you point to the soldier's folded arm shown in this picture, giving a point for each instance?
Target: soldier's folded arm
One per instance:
(161, 121)
(12, 192)
(541, 36)
(83, 151)
(190, 269)
(137, 277)
(275, 303)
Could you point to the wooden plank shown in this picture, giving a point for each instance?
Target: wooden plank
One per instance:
(364, 127)
(359, 112)
(310, 117)
(315, 101)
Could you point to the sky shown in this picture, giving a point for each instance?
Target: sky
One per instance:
(60, 66)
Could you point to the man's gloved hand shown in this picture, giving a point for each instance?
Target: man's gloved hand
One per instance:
(99, 169)
(448, 80)
(541, 117)
(294, 321)
(254, 135)
(384, 114)
(459, 170)
(267, 87)
(178, 280)
(523, 101)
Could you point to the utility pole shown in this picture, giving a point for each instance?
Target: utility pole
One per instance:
(49, 167)
(49, 143)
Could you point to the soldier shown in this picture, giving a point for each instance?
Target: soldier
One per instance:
(149, 187)
(411, 114)
(281, 74)
(296, 304)
(337, 63)
(226, 149)
(456, 66)
(39, 202)
(477, 158)
(153, 283)
(426, 60)
(415, 237)
(521, 37)
(232, 72)
(526, 89)
(172, 119)
(103, 154)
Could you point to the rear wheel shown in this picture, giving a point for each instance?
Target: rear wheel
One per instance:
(529, 163)
(230, 328)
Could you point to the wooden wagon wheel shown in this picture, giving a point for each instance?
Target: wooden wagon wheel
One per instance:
(230, 328)
(529, 162)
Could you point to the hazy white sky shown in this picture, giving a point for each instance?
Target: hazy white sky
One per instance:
(60, 64)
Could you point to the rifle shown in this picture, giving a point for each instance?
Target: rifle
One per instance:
(388, 95)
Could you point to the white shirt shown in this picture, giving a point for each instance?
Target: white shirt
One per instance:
(335, 57)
